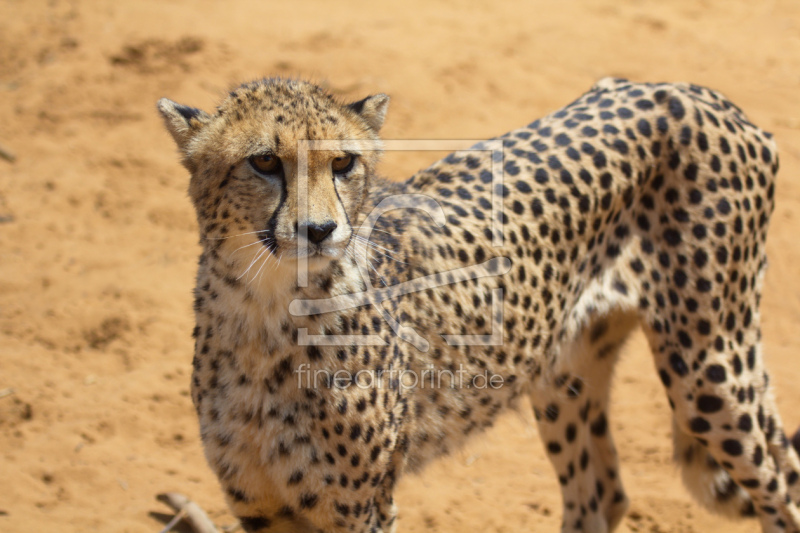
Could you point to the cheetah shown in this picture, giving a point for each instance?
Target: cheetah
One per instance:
(515, 268)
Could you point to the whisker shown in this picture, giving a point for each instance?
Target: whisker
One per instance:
(278, 262)
(389, 257)
(266, 259)
(378, 274)
(371, 266)
(248, 245)
(232, 236)
(253, 262)
(376, 229)
(375, 245)
(377, 248)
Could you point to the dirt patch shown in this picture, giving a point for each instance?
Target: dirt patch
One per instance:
(98, 241)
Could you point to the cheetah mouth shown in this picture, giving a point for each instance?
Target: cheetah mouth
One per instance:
(316, 252)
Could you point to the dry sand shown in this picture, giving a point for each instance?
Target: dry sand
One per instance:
(98, 240)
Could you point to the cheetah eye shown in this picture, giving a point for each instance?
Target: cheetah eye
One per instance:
(343, 165)
(266, 164)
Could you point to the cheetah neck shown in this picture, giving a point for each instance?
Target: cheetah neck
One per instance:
(253, 319)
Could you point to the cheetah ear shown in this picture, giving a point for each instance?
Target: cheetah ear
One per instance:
(183, 122)
(372, 109)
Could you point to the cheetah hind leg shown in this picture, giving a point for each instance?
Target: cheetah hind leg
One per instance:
(706, 480)
(710, 484)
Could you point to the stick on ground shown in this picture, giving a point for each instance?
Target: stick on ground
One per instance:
(191, 513)
(7, 154)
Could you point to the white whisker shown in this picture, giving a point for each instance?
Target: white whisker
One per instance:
(382, 231)
(266, 259)
(247, 246)
(238, 235)
(368, 261)
(253, 262)
(378, 249)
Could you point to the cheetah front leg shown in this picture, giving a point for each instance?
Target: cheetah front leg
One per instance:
(572, 415)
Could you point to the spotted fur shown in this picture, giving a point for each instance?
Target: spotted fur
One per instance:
(636, 205)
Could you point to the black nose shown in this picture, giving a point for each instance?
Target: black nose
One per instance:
(319, 232)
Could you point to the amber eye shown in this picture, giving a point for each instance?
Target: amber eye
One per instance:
(266, 164)
(342, 165)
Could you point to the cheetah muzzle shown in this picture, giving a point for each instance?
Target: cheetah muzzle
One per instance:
(336, 350)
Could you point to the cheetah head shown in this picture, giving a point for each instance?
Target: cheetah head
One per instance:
(267, 183)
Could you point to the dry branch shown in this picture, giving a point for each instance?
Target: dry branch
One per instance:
(7, 154)
(189, 511)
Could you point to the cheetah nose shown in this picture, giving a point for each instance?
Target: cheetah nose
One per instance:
(319, 232)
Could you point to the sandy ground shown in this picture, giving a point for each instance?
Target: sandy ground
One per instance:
(98, 240)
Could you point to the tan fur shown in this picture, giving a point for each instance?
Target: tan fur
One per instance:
(638, 204)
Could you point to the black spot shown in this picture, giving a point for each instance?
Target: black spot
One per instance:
(699, 425)
(683, 337)
(589, 131)
(758, 456)
(237, 495)
(584, 459)
(750, 483)
(672, 236)
(751, 358)
(716, 374)
(699, 231)
(702, 141)
(709, 404)
(703, 285)
(599, 160)
(313, 353)
(644, 127)
(700, 258)
(562, 139)
(736, 362)
(551, 412)
(571, 432)
(678, 364)
(599, 426)
(691, 172)
(553, 447)
(745, 423)
(722, 255)
(676, 108)
(254, 523)
(732, 447)
(512, 169)
(537, 207)
(308, 501)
